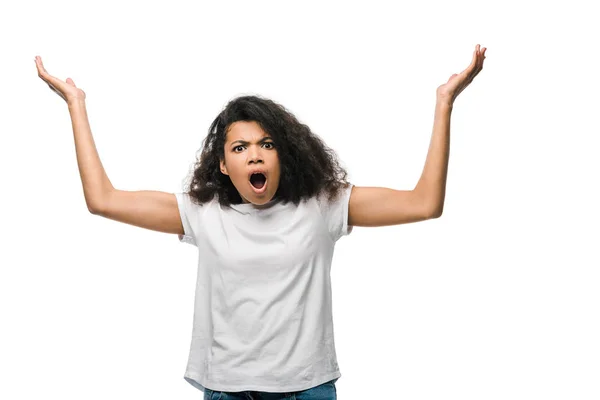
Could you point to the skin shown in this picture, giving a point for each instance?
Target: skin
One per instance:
(241, 158)
(368, 206)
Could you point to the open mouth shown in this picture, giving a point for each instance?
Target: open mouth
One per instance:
(258, 181)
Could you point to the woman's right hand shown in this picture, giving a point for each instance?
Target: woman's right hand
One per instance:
(67, 90)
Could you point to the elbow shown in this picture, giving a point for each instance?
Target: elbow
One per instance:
(96, 205)
(435, 212)
(431, 207)
(93, 209)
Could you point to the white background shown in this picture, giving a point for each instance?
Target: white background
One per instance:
(497, 299)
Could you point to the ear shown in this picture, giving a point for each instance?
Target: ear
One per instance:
(223, 167)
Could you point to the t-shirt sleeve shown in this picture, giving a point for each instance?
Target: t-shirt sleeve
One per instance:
(189, 213)
(335, 213)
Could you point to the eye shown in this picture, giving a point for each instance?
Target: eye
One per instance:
(265, 143)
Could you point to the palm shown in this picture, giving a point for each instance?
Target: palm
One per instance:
(65, 89)
(458, 82)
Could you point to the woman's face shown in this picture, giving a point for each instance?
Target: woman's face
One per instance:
(249, 149)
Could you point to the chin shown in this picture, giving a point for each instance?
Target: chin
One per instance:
(262, 200)
(258, 200)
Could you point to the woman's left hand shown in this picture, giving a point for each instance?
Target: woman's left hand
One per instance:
(458, 82)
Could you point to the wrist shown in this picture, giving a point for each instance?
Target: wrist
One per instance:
(444, 103)
(75, 104)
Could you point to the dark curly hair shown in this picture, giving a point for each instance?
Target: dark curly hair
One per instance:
(308, 165)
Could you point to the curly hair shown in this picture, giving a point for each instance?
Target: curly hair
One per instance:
(308, 166)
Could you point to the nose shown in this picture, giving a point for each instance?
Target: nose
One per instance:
(254, 154)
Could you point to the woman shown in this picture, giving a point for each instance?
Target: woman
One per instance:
(265, 207)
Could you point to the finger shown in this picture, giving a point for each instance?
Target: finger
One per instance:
(475, 57)
(479, 56)
(474, 62)
(482, 57)
(46, 77)
(477, 70)
(40, 65)
(57, 83)
(479, 64)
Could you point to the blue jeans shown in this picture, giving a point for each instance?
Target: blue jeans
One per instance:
(325, 391)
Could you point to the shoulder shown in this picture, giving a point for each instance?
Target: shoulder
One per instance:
(328, 198)
(333, 207)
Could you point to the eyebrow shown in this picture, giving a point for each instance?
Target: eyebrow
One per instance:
(260, 141)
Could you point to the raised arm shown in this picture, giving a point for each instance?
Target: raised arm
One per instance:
(378, 206)
(147, 209)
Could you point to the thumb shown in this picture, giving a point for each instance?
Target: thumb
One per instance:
(70, 82)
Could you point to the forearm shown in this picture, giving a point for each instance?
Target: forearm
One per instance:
(93, 177)
(432, 183)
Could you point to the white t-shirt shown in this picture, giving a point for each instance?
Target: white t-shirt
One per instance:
(262, 314)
